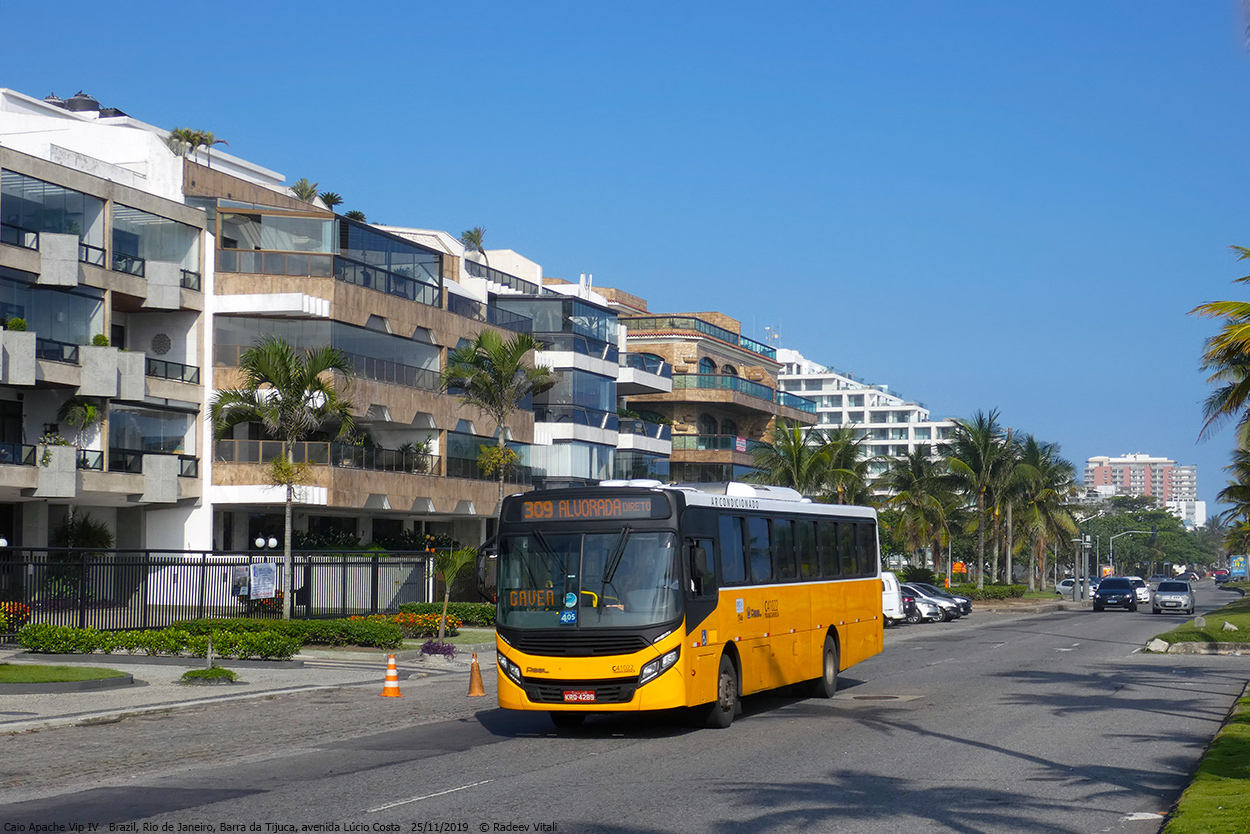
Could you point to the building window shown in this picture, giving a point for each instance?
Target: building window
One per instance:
(707, 366)
(707, 424)
(729, 370)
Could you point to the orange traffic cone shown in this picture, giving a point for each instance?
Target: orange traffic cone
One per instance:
(475, 679)
(391, 688)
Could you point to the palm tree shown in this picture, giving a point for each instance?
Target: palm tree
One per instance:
(185, 142)
(358, 216)
(290, 396)
(449, 564)
(1050, 481)
(972, 455)
(847, 476)
(472, 240)
(490, 375)
(1227, 356)
(919, 486)
(791, 461)
(331, 199)
(80, 414)
(304, 190)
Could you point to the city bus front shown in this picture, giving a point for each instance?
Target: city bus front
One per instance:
(589, 586)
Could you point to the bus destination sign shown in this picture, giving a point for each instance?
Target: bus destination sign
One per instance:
(592, 509)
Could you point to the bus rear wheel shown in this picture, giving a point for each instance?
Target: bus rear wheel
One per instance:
(567, 720)
(827, 684)
(720, 714)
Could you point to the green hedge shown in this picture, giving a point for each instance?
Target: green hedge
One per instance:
(51, 639)
(351, 632)
(481, 614)
(971, 591)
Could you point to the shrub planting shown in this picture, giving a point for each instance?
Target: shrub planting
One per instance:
(50, 639)
(481, 614)
(433, 647)
(971, 591)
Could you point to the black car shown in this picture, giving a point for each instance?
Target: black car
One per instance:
(965, 604)
(1117, 592)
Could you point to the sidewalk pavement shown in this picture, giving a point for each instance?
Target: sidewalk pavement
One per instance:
(157, 686)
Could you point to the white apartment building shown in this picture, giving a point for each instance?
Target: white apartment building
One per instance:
(890, 425)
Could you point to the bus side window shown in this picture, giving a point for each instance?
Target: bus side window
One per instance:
(805, 549)
(732, 567)
(866, 547)
(846, 547)
(761, 557)
(702, 572)
(830, 565)
(783, 549)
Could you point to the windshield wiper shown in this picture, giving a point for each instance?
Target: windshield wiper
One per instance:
(614, 559)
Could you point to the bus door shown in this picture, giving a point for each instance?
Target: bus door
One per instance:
(702, 634)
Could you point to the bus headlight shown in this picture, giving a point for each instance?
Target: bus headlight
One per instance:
(509, 668)
(654, 668)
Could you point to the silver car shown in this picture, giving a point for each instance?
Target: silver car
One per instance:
(948, 609)
(1173, 595)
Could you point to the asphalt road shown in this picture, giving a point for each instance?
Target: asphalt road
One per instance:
(1051, 723)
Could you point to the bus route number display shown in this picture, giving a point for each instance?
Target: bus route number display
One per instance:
(582, 509)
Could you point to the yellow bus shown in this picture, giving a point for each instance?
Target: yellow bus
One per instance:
(632, 596)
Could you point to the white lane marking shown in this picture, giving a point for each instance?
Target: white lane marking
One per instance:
(427, 796)
(1137, 816)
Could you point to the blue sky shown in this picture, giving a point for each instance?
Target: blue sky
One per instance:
(982, 204)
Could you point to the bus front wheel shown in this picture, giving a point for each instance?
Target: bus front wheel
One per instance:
(827, 684)
(721, 713)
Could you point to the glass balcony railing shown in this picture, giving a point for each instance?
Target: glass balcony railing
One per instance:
(339, 455)
(476, 310)
(92, 255)
(656, 431)
(794, 401)
(178, 372)
(299, 264)
(715, 443)
(493, 275)
(18, 454)
(129, 264)
(723, 382)
(17, 236)
(91, 459)
(576, 415)
(647, 363)
(394, 373)
(583, 345)
(642, 324)
(373, 277)
(465, 468)
(190, 280)
(54, 351)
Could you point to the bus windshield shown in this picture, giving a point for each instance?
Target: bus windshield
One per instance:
(610, 579)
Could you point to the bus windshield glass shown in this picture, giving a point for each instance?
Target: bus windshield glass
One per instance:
(610, 579)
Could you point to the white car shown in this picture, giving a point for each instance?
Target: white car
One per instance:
(1140, 588)
(891, 599)
(1064, 587)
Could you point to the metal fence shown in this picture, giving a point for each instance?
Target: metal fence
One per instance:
(138, 589)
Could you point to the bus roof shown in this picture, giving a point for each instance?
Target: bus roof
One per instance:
(736, 495)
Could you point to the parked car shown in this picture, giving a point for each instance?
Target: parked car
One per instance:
(1221, 575)
(1173, 595)
(947, 609)
(964, 604)
(911, 611)
(1156, 579)
(1115, 592)
(891, 599)
(1140, 588)
(1064, 586)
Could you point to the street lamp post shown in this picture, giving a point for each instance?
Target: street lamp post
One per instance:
(1116, 536)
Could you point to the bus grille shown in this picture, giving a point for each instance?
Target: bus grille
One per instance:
(611, 691)
(576, 645)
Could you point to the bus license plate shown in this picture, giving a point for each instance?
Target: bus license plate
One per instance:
(579, 695)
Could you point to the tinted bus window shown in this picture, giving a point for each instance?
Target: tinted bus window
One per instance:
(830, 565)
(732, 567)
(846, 547)
(759, 550)
(866, 547)
(784, 566)
(805, 549)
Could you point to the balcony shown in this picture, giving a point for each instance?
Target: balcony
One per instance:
(576, 415)
(716, 443)
(129, 264)
(375, 278)
(645, 324)
(189, 280)
(493, 275)
(178, 372)
(342, 455)
(17, 236)
(394, 373)
(18, 454)
(655, 431)
(51, 350)
(477, 311)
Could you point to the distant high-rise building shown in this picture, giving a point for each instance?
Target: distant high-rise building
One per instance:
(1172, 485)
